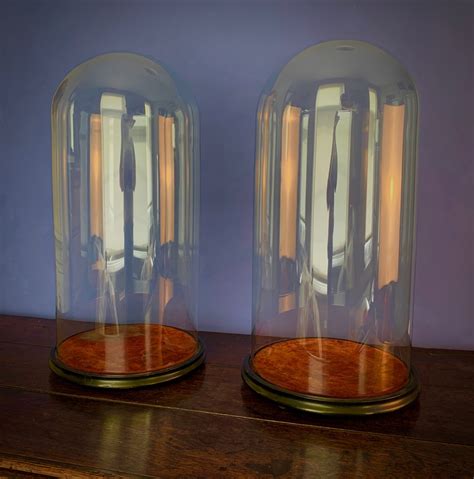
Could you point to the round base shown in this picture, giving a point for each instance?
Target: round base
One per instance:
(126, 372)
(331, 405)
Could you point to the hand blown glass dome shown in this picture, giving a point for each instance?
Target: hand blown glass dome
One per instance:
(126, 204)
(334, 232)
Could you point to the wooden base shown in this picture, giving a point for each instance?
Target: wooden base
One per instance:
(331, 376)
(127, 355)
(330, 367)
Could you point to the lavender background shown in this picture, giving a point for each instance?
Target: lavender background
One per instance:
(226, 51)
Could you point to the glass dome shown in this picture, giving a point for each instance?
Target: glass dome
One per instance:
(126, 203)
(334, 232)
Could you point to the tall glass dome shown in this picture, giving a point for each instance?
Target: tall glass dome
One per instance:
(126, 203)
(334, 232)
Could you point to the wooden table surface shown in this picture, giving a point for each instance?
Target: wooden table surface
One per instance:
(209, 424)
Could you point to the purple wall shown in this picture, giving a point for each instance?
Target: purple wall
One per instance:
(226, 51)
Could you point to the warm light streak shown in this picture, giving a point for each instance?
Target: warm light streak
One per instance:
(167, 178)
(390, 193)
(96, 217)
(289, 181)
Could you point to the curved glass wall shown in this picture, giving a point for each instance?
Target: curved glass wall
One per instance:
(126, 203)
(334, 232)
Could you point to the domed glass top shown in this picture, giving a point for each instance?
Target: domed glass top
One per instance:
(126, 201)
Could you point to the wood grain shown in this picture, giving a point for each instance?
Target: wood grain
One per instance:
(127, 349)
(20, 467)
(443, 413)
(145, 440)
(330, 367)
(209, 424)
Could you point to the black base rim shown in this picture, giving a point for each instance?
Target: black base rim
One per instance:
(327, 405)
(126, 381)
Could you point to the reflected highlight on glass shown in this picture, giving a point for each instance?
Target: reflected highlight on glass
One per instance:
(126, 204)
(334, 232)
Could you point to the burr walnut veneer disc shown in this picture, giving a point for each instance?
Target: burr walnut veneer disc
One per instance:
(127, 349)
(330, 367)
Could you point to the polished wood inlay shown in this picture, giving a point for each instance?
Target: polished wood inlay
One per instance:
(335, 368)
(127, 349)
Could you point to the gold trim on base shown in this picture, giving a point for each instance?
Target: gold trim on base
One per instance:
(327, 405)
(127, 381)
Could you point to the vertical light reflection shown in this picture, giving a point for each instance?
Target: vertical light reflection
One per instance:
(142, 201)
(96, 180)
(327, 104)
(112, 107)
(183, 194)
(71, 127)
(166, 163)
(167, 200)
(390, 193)
(107, 223)
(61, 217)
(144, 247)
(303, 173)
(262, 178)
(369, 208)
(118, 430)
(267, 302)
(288, 202)
(289, 181)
